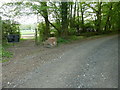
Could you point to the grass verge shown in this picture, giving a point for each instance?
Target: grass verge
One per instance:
(83, 36)
(5, 55)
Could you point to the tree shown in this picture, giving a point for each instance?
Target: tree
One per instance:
(9, 27)
(82, 17)
(45, 15)
(108, 23)
(0, 30)
(115, 20)
(97, 9)
(70, 18)
(64, 12)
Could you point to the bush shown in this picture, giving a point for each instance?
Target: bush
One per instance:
(9, 27)
(73, 37)
(6, 54)
(76, 37)
(71, 31)
(88, 34)
(62, 40)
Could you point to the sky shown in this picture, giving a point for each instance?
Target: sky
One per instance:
(31, 19)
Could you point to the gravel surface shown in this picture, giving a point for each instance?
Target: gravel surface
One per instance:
(92, 63)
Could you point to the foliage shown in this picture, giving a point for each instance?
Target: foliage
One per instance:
(41, 27)
(71, 31)
(71, 18)
(6, 53)
(9, 27)
(88, 34)
(74, 37)
(62, 40)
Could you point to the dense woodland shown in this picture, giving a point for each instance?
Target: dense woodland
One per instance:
(65, 19)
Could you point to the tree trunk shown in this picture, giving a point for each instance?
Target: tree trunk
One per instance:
(36, 38)
(78, 20)
(82, 13)
(71, 20)
(98, 14)
(74, 12)
(64, 23)
(45, 15)
(108, 24)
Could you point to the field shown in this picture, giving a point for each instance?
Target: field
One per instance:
(27, 34)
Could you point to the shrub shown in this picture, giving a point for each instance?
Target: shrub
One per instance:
(6, 54)
(88, 34)
(62, 40)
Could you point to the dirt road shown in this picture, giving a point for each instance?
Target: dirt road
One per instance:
(83, 64)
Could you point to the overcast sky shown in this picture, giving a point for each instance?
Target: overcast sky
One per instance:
(31, 19)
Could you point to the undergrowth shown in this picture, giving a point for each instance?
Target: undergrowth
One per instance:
(5, 55)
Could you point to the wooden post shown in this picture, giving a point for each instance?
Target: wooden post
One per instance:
(36, 39)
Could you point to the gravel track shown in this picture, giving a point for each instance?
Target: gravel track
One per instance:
(92, 63)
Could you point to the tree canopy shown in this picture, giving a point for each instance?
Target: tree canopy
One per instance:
(68, 18)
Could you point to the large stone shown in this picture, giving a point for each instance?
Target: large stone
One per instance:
(50, 42)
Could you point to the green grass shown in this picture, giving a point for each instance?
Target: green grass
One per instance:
(3, 61)
(23, 39)
(87, 35)
(5, 55)
(0, 52)
(72, 38)
(62, 40)
(69, 39)
(6, 45)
